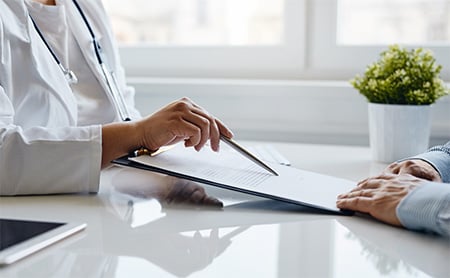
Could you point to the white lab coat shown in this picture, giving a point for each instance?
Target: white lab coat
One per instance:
(42, 150)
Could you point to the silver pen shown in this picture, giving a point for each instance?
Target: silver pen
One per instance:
(246, 153)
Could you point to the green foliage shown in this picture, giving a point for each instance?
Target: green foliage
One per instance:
(402, 77)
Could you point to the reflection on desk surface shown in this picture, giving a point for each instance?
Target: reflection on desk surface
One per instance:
(394, 250)
(133, 231)
(321, 248)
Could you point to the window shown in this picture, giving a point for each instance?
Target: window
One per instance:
(276, 39)
(372, 22)
(198, 22)
(346, 35)
(209, 38)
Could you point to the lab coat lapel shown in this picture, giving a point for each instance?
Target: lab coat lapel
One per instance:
(15, 14)
(84, 41)
(47, 73)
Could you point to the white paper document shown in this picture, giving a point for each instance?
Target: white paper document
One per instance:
(229, 169)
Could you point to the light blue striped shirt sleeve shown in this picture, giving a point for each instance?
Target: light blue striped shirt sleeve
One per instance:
(427, 208)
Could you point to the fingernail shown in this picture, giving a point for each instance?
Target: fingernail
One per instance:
(217, 203)
(215, 148)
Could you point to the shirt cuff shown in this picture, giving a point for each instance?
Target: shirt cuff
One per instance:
(426, 208)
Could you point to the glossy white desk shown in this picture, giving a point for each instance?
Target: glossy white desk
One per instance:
(132, 232)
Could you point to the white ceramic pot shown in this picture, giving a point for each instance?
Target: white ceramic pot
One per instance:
(398, 131)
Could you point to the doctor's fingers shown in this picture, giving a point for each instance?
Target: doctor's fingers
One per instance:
(191, 134)
(217, 128)
(203, 126)
(221, 127)
(214, 132)
(187, 111)
(161, 131)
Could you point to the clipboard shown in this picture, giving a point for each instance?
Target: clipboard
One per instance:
(229, 170)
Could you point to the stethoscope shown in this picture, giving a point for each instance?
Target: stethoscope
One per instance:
(109, 76)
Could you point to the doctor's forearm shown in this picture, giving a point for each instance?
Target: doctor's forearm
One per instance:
(118, 139)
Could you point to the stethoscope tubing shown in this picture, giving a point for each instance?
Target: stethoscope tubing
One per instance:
(113, 87)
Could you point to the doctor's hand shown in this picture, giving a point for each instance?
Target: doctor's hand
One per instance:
(379, 196)
(182, 120)
(416, 167)
(178, 121)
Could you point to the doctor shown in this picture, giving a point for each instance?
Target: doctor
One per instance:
(65, 109)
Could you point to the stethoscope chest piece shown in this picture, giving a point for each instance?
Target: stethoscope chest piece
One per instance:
(70, 76)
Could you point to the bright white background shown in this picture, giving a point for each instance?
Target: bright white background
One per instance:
(275, 69)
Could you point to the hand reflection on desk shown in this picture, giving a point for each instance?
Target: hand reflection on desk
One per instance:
(185, 253)
(182, 256)
(142, 199)
(167, 190)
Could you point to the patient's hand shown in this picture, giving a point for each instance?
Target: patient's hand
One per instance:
(379, 196)
(416, 167)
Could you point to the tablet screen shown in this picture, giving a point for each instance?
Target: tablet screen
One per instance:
(21, 238)
(13, 232)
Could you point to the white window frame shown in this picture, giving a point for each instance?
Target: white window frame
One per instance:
(278, 61)
(246, 86)
(327, 60)
(310, 52)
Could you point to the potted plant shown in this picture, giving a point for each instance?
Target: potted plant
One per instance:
(400, 88)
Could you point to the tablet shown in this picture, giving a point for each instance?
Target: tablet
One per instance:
(20, 238)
